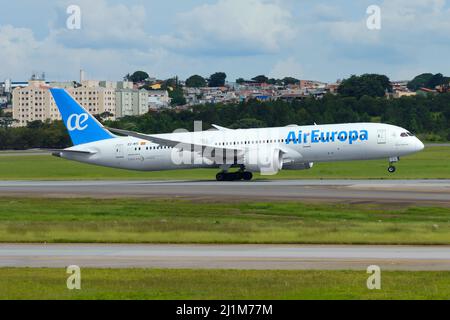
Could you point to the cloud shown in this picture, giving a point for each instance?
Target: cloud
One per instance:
(17, 45)
(289, 67)
(233, 27)
(316, 40)
(25, 54)
(402, 21)
(104, 25)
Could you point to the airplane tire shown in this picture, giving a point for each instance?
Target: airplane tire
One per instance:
(247, 176)
(237, 176)
(229, 177)
(392, 169)
(220, 176)
(234, 176)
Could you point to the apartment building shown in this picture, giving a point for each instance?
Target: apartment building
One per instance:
(158, 99)
(94, 98)
(34, 102)
(131, 102)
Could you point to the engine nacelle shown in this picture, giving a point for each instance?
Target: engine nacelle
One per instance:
(298, 166)
(267, 161)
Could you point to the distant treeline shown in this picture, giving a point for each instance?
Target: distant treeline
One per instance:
(427, 116)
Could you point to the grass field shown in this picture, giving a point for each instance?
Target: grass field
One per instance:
(431, 164)
(172, 221)
(220, 284)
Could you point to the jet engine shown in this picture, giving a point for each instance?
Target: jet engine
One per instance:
(298, 165)
(267, 161)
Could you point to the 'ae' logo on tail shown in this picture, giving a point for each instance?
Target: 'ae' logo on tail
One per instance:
(77, 122)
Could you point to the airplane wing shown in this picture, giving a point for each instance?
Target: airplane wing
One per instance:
(221, 128)
(160, 141)
(176, 144)
(194, 147)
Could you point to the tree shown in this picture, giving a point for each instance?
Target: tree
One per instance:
(373, 85)
(196, 81)
(261, 79)
(240, 81)
(177, 96)
(248, 123)
(104, 116)
(437, 80)
(428, 80)
(420, 81)
(290, 80)
(7, 122)
(138, 76)
(217, 79)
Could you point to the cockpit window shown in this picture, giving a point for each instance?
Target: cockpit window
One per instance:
(404, 135)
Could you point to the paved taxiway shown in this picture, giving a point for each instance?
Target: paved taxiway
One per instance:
(257, 257)
(398, 191)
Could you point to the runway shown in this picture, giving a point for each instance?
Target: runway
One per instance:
(243, 257)
(436, 192)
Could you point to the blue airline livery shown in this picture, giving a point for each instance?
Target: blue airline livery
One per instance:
(317, 136)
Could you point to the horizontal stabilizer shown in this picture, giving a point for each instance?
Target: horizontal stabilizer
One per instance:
(57, 152)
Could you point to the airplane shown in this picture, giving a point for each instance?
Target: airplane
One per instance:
(266, 151)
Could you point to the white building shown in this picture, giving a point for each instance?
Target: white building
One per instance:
(131, 102)
(158, 99)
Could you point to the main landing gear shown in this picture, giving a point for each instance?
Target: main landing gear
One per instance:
(235, 176)
(393, 161)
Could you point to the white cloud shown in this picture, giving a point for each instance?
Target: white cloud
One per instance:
(243, 38)
(289, 67)
(402, 21)
(417, 17)
(25, 54)
(233, 27)
(104, 25)
(17, 46)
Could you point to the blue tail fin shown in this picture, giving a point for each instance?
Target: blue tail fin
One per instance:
(82, 126)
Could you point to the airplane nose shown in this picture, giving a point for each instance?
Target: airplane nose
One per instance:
(420, 145)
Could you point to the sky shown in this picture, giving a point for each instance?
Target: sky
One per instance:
(306, 39)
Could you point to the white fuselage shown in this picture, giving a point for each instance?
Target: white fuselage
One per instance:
(300, 144)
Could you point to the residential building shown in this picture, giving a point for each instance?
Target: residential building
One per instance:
(131, 102)
(158, 99)
(312, 84)
(426, 92)
(95, 98)
(34, 101)
(399, 94)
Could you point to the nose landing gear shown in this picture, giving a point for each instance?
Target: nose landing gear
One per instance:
(392, 169)
(392, 162)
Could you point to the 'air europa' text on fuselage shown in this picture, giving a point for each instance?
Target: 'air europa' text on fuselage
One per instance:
(318, 136)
